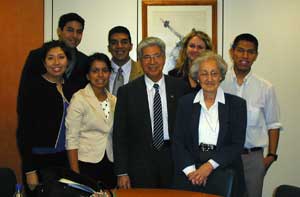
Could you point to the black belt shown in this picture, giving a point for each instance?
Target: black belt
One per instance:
(249, 150)
(207, 147)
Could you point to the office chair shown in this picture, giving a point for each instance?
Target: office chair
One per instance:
(224, 184)
(287, 190)
(8, 182)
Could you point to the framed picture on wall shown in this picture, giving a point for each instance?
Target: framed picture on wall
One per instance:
(171, 20)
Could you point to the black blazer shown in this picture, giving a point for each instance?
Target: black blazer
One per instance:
(232, 120)
(132, 133)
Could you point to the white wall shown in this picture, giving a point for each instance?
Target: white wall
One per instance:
(276, 24)
(100, 16)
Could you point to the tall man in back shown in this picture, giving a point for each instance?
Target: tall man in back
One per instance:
(70, 30)
(263, 124)
(144, 122)
(124, 68)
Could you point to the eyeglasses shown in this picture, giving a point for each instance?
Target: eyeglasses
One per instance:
(213, 74)
(148, 58)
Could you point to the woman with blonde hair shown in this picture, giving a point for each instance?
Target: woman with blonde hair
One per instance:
(194, 44)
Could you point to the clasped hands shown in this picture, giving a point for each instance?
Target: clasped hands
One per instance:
(200, 176)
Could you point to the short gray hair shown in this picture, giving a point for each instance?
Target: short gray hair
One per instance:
(150, 41)
(204, 56)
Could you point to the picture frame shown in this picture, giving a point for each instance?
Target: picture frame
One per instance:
(171, 20)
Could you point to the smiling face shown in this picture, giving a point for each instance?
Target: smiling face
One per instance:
(243, 56)
(194, 47)
(119, 47)
(71, 34)
(55, 63)
(209, 76)
(98, 74)
(153, 61)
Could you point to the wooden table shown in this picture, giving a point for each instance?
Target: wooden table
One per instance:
(159, 193)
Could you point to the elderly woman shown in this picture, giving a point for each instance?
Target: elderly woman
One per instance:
(194, 43)
(42, 115)
(210, 129)
(89, 124)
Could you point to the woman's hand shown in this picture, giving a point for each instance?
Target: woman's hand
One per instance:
(199, 177)
(32, 180)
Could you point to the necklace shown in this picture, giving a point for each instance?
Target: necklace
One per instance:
(213, 129)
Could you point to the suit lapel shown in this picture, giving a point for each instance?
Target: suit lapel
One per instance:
(94, 103)
(196, 109)
(171, 103)
(136, 70)
(141, 100)
(223, 121)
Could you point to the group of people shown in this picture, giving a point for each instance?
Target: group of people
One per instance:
(128, 125)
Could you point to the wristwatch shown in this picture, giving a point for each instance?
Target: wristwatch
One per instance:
(275, 156)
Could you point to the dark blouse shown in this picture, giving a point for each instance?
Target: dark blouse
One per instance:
(178, 74)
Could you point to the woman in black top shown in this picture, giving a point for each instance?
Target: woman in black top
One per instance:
(193, 44)
(42, 116)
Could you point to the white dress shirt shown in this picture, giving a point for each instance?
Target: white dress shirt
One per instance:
(208, 124)
(262, 106)
(126, 68)
(89, 127)
(163, 96)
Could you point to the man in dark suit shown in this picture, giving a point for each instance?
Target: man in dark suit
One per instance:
(70, 29)
(142, 131)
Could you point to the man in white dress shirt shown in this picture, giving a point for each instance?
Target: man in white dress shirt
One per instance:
(124, 68)
(263, 124)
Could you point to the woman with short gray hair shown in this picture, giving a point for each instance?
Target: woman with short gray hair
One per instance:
(209, 132)
(222, 65)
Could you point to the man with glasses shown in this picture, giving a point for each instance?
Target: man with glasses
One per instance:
(144, 122)
(263, 124)
(124, 68)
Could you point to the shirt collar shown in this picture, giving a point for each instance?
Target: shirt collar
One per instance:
(150, 83)
(199, 98)
(246, 79)
(125, 68)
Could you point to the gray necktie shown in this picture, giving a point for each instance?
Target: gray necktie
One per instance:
(119, 81)
(158, 129)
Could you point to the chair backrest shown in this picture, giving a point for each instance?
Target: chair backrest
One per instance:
(222, 184)
(287, 190)
(8, 182)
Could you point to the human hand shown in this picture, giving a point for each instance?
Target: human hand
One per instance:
(32, 180)
(268, 162)
(124, 182)
(200, 176)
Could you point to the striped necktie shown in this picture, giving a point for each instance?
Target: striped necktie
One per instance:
(158, 133)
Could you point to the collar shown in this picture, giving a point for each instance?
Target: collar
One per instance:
(125, 67)
(150, 83)
(199, 98)
(90, 91)
(246, 79)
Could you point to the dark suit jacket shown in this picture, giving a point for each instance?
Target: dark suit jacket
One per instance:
(132, 133)
(232, 120)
